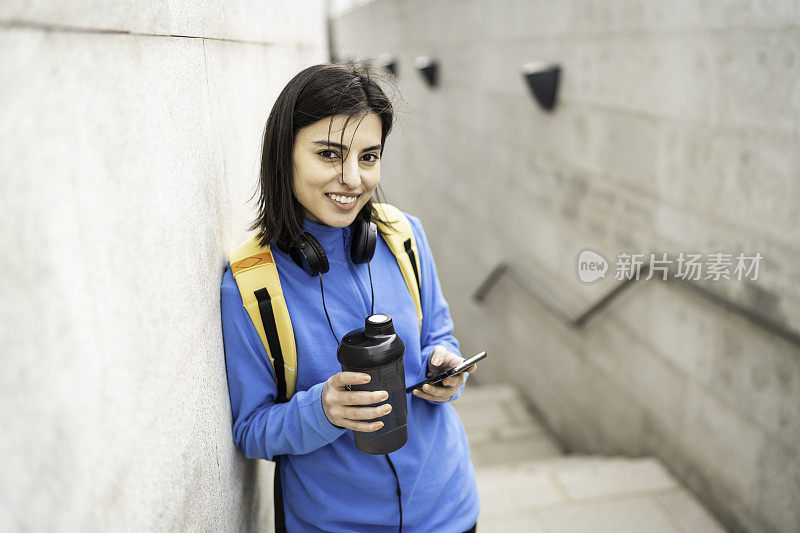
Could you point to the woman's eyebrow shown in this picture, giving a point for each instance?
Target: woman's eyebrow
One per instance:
(343, 147)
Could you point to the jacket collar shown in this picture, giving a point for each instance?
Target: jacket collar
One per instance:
(335, 241)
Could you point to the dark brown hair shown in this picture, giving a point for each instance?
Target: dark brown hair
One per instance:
(315, 93)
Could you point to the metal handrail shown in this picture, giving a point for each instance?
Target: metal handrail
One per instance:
(578, 320)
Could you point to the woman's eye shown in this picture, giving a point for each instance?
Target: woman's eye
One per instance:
(331, 154)
(328, 154)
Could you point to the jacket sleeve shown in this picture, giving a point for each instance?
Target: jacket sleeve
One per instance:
(261, 427)
(437, 326)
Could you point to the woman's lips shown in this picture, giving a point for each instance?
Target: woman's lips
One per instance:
(342, 206)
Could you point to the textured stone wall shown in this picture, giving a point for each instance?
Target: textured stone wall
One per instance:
(131, 135)
(676, 130)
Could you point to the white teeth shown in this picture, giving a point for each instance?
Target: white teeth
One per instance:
(343, 199)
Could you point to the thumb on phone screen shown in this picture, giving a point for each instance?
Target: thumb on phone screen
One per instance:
(441, 359)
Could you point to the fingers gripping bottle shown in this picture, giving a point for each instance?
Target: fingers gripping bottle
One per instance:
(376, 350)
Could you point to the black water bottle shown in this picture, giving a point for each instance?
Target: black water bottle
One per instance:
(376, 350)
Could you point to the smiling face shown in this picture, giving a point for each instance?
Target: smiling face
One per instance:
(332, 193)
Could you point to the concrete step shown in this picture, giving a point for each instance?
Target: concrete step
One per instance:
(500, 428)
(526, 483)
(511, 452)
(576, 494)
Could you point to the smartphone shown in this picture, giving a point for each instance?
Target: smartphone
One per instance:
(447, 373)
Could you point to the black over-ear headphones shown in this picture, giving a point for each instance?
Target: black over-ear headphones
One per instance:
(307, 253)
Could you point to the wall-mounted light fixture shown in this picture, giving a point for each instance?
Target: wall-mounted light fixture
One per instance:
(429, 68)
(543, 79)
(388, 62)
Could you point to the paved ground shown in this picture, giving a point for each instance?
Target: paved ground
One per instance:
(527, 484)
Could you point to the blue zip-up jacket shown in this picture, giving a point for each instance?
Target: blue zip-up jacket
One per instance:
(328, 484)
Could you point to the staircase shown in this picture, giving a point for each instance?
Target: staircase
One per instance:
(527, 483)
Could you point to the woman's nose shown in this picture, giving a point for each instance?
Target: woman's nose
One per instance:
(350, 174)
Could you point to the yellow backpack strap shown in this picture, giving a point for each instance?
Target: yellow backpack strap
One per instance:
(400, 239)
(255, 272)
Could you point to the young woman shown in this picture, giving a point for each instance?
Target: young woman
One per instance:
(320, 167)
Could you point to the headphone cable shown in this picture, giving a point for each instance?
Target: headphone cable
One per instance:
(371, 297)
(399, 494)
(371, 292)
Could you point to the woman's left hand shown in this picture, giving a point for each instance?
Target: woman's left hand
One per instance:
(439, 361)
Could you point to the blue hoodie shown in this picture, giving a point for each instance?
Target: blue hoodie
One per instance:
(328, 484)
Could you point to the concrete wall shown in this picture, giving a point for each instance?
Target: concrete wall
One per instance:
(131, 134)
(676, 130)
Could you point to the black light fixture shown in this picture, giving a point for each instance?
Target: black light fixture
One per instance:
(543, 79)
(388, 62)
(429, 68)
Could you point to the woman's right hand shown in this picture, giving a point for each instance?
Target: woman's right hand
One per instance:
(343, 407)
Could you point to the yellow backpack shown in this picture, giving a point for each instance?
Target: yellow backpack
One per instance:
(256, 275)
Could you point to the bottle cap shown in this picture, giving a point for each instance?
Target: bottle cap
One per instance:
(376, 344)
(378, 324)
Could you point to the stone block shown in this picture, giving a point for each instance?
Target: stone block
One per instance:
(273, 21)
(687, 512)
(486, 393)
(494, 433)
(606, 478)
(760, 376)
(742, 169)
(510, 489)
(611, 516)
(688, 15)
(507, 451)
(527, 521)
(752, 67)
(659, 386)
(680, 325)
(779, 482)
(150, 17)
(725, 444)
(489, 414)
(753, 372)
(113, 203)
